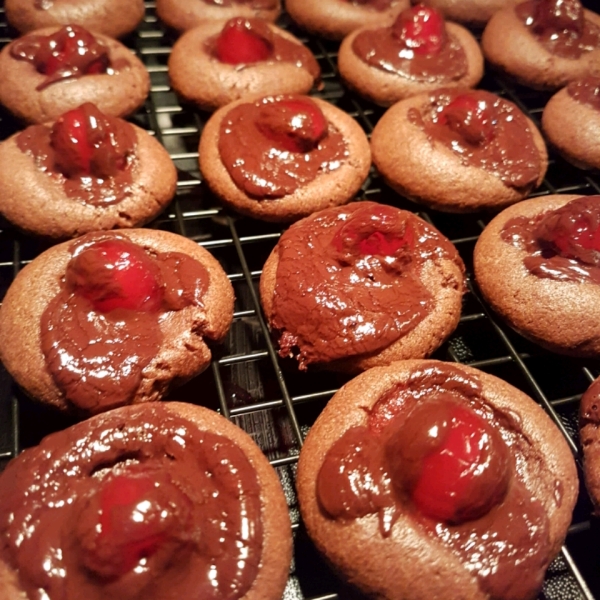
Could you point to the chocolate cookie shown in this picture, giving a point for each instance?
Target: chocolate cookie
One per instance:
(589, 419)
(418, 53)
(109, 17)
(52, 70)
(543, 44)
(187, 14)
(113, 318)
(536, 264)
(429, 480)
(217, 63)
(161, 501)
(459, 151)
(362, 285)
(280, 158)
(52, 186)
(571, 122)
(471, 12)
(335, 19)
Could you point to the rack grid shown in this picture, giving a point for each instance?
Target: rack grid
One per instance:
(269, 398)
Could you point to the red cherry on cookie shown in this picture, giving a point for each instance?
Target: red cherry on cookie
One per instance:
(238, 43)
(115, 274)
(69, 137)
(573, 231)
(558, 15)
(452, 461)
(421, 29)
(469, 117)
(293, 124)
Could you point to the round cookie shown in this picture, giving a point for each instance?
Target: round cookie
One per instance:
(589, 419)
(471, 12)
(571, 122)
(117, 93)
(348, 158)
(187, 14)
(538, 63)
(173, 534)
(383, 535)
(533, 270)
(199, 76)
(335, 19)
(109, 17)
(127, 184)
(378, 81)
(363, 285)
(459, 151)
(169, 316)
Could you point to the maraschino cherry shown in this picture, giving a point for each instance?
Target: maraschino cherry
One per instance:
(116, 274)
(293, 124)
(470, 117)
(133, 517)
(86, 144)
(450, 461)
(558, 16)
(240, 43)
(420, 29)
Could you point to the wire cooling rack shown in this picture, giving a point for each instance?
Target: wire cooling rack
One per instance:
(269, 398)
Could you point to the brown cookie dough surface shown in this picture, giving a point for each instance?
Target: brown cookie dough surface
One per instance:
(335, 19)
(571, 122)
(461, 161)
(181, 351)
(39, 198)
(539, 277)
(384, 86)
(471, 12)
(514, 48)
(118, 94)
(336, 184)
(199, 480)
(109, 17)
(376, 530)
(187, 14)
(198, 76)
(353, 287)
(589, 420)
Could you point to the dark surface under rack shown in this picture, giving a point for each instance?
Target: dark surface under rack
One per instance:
(270, 399)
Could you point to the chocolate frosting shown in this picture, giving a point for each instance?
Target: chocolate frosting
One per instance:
(586, 91)
(381, 49)
(560, 244)
(560, 27)
(507, 150)
(97, 358)
(259, 166)
(506, 546)
(132, 505)
(349, 281)
(92, 56)
(282, 49)
(112, 142)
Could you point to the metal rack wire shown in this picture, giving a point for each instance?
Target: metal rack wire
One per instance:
(270, 399)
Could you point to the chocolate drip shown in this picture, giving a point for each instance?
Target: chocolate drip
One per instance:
(192, 527)
(348, 281)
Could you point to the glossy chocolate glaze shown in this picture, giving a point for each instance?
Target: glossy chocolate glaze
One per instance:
(507, 547)
(192, 530)
(381, 48)
(112, 142)
(282, 49)
(262, 168)
(92, 55)
(572, 262)
(507, 151)
(560, 27)
(349, 281)
(586, 91)
(258, 4)
(97, 358)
